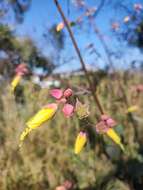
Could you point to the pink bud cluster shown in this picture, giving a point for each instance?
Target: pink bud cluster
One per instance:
(62, 97)
(21, 69)
(105, 123)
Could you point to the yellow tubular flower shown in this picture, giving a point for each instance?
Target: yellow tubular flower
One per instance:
(15, 82)
(132, 109)
(39, 118)
(114, 136)
(80, 142)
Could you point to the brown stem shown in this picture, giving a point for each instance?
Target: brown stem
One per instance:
(80, 57)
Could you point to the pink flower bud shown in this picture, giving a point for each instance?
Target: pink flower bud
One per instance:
(68, 92)
(56, 93)
(21, 69)
(104, 117)
(101, 127)
(105, 123)
(110, 122)
(80, 142)
(68, 110)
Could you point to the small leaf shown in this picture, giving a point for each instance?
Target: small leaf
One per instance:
(72, 23)
(82, 110)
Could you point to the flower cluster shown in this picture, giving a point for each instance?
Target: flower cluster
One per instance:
(48, 111)
(105, 124)
(62, 98)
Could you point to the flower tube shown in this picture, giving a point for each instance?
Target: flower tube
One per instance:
(20, 70)
(15, 82)
(115, 137)
(80, 142)
(105, 126)
(38, 119)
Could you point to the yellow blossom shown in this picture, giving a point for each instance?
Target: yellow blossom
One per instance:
(132, 109)
(60, 26)
(80, 142)
(114, 136)
(39, 118)
(15, 82)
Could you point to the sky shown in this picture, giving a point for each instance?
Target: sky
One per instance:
(43, 14)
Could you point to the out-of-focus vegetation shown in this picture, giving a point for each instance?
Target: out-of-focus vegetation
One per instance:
(16, 50)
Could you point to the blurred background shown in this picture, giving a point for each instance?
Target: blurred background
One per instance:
(109, 35)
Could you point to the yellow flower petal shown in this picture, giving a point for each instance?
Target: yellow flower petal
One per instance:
(114, 136)
(42, 116)
(132, 109)
(60, 26)
(126, 19)
(15, 82)
(80, 142)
